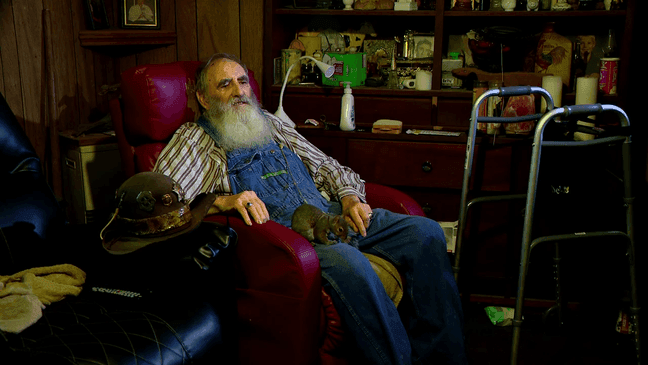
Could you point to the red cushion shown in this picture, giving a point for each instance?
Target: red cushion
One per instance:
(155, 101)
(146, 155)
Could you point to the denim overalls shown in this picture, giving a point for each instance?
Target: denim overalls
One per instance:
(277, 176)
(432, 329)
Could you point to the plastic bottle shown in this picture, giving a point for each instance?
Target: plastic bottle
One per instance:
(347, 115)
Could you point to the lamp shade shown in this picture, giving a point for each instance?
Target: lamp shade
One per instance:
(327, 71)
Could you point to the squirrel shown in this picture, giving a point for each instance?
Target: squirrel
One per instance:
(312, 223)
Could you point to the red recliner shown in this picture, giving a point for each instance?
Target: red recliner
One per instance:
(284, 315)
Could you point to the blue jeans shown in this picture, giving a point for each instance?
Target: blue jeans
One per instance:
(432, 331)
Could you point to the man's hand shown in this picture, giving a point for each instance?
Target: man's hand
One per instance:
(356, 213)
(246, 203)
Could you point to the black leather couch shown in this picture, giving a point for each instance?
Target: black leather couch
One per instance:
(172, 322)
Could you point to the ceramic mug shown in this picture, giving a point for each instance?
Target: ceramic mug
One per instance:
(423, 80)
(409, 83)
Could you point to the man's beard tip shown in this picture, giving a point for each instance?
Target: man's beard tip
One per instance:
(239, 127)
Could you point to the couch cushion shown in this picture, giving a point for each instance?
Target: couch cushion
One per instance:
(84, 331)
(15, 148)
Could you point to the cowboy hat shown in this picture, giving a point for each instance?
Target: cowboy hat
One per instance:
(151, 207)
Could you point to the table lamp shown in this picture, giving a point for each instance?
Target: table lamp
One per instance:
(327, 70)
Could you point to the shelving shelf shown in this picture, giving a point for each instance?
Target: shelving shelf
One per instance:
(291, 11)
(123, 37)
(452, 13)
(398, 160)
(384, 91)
(375, 91)
(439, 106)
(541, 14)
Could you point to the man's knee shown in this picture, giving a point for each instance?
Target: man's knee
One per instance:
(341, 261)
(427, 230)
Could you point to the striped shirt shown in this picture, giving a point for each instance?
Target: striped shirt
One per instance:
(194, 161)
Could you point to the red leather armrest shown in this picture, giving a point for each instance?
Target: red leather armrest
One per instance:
(381, 196)
(278, 288)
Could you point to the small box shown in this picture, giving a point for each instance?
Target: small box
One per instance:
(450, 229)
(405, 5)
(449, 80)
(349, 67)
(387, 126)
(451, 64)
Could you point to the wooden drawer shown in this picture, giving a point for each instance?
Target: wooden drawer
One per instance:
(432, 165)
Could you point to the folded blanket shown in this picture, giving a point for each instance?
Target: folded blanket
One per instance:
(19, 308)
(23, 295)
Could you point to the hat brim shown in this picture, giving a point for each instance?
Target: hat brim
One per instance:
(117, 244)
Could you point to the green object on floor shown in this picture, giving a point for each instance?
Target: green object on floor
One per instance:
(500, 316)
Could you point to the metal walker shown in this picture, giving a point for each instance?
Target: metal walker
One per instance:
(465, 205)
(553, 114)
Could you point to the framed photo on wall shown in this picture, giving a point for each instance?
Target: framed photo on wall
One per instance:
(140, 14)
(96, 14)
(423, 46)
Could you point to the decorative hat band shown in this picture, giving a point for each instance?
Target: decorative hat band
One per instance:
(159, 224)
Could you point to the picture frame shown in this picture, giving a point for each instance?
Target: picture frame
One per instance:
(423, 46)
(379, 51)
(139, 14)
(96, 14)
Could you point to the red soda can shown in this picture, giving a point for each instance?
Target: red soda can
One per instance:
(608, 75)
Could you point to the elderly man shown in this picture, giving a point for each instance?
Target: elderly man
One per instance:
(263, 170)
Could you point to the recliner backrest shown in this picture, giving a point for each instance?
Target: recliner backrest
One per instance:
(156, 100)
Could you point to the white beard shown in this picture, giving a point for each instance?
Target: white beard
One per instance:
(243, 126)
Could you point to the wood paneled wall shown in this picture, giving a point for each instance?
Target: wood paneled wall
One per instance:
(53, 84)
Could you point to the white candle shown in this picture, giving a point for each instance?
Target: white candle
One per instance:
(586, 89)
(553, 85)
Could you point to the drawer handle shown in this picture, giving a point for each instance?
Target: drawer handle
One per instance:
(427, 166)
(70, 163)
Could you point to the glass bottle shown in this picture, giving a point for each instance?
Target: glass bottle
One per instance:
(610, 47)
(577, 66)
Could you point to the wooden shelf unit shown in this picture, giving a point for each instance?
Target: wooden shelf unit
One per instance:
(399, 160)
(282, 24)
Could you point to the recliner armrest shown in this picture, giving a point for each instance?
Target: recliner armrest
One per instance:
(271, 257)
(381, 196)
(278, 289)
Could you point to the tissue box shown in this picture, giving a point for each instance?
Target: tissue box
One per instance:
(388, 126)
(349, 67)
(450, 64)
